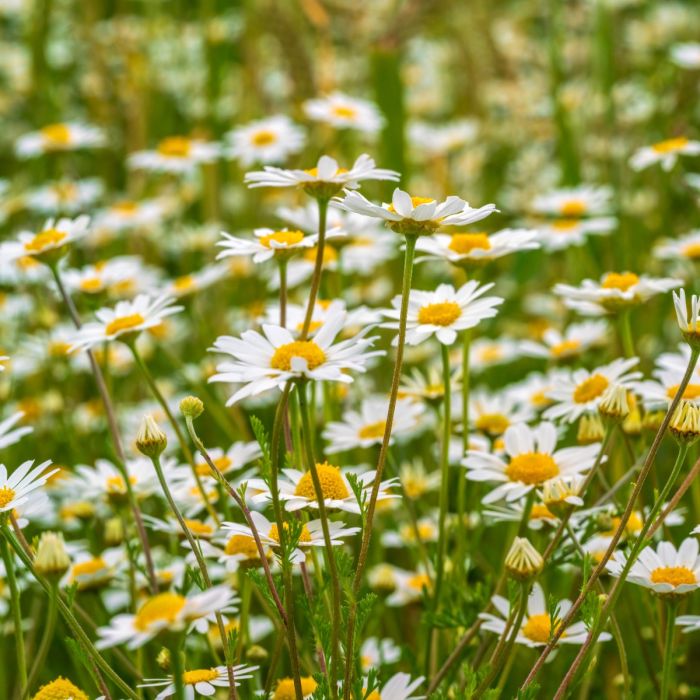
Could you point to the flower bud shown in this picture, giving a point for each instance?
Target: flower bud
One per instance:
(560, 496)
(523, 561)
(151, 440)
(191, 407)
(689, 324)
(51, 559)
(590, 429)
(163, 659)
(256, 654)
(685, 424)
(114, 532)
(613, 405)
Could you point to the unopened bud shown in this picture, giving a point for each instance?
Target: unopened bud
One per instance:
(151, 440)
(191, 407)
(256, 653)
(685, 424)
(590, 429)
(560, 496)
(114, 532)
(51, 560)
(163, 659)
(614, 405)
(523, 561)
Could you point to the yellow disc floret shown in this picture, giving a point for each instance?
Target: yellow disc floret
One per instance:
(464, 243)
(124, 323)
(675, 575)
(6, 496)
(200, 675)
(532, 468)
(164, 607)
(175, 147)
(332, 484)
(60, 689)
(441, 314)
(304, 349)
(372, 431)
(620, 280)
(591, 388)
(49, 238)
(281, 238)
(285, 688)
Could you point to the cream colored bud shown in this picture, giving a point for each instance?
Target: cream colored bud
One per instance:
(685, 424)
(114, 532)
(51, 560)
(151, 440)
(256, 653)
(560, 496)
(523, 561)
(191, 407)
(590, 429)
(614, 404)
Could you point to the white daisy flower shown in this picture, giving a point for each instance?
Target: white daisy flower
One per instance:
(9, 435)
(89, 572)
(539, 517)
(684, 248)
(417, 215)
(64, 197)
(121, 274)
(409, 587)
(178, 155)
(575, 340)
(581, 391)
(444, 312)
(486, 352)
(18, 488)
(666, 570)
(398, 687)
(532, 461)
(664, 152)
(125, 320)
(270, 140)
(163, 612)
(376, 652)
(425, 530)
(686, 55)
(435, 140)
(267, 244)
(614, 291)
(536, 628)
(53, 238)
(688, 324)
(492, 413)
(563, 233)
(127, 215)
(240, 454)
(200, 682)
(416, 481)
(192, 282)
(271, 359)
(344, 112)
(67, 136)
(365, 427)
(574, 202)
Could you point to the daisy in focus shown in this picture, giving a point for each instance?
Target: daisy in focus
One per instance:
(18, 487)
(200, 682)
(574, 341)
(344, 112)
(66, 136)
(270, 140)
(267, 244)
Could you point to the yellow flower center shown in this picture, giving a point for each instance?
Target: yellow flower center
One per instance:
(590, 388)
(89, 567)
(56, 134)
(692, 250)
(164, 607)
(125, 207)
(91, 285)
(344, 111)
(26, 262)
(540, 398)
(490, 353)
(175, 147)
(692, 391)
(372, 431)
(564, 225)
(60, 689)
(415, 202)
(419, 582)
(443, 313)
(464, 243)
(124, 323)
(6, 496)
(242, 544)
(50, 238)
(274, 533)
(374, 695)
(675, 575)
(198, 528)
(540, 511)
(57, 348)
(183, 283)
(285, 238)
(538, 628)
(566, 347)
(199, 676)
(332, 485)
(285, 688)
(314, 172)
(492, 423)
(532, 468)
(116, 484)
(414, 485)
(670, 145)
(330, 254)
(305, 349)
(620, 280)
(572, 208)
(263, 138)
(222, 463)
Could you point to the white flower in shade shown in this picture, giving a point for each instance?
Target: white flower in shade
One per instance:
(344, 112)
(688, 324)
(683, 248)
(532, 459)
(574, 341)
(18, 488)
(398, 687)
(666, 570)
(409, 587)
(376, 652)
(269, 140)
(271, 359)
(366, 427)
(442, 139)
(417, 215)
(125, 320)
(160, 613)
(197, 281)
(64, 197)
(581, 391)
(297, 488)
(51, 239)
(492, 413)
(267, 244)
(686, 55)
(614, 291)
(536, 628)
(126, 215)
(534, 389)
(67, 136)
(563, 233)
(177, 155)
(476, 248)
(444, 312)
(200, 682)
(664, 152)
(9, 435)
(311, 534)
(327, 178)
(486, 352)
(574, 202)
(409, 534)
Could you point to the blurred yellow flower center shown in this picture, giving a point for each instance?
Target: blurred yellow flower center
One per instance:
(345, 111)
(441, 314)
(45, 239)
(282, 238)
(124, 323)
(313, 326)
(89, 567)
(590, 388)
(419, 582)
(540, 511)
(414, 484)
(415, 202)
(492, 423)
(242, 544)
(490, 353)
(91, 285)
(263, 138)
(464, 243)
(670, 145)
(566, 347)
(620, 280)
(60, 689)
(332, 485)
(304, 349)
(6, 496)
(26, 262)
(164, 607)
(692, 250)
(572, 208)
(285, 688)
(198, 528)
(57, 134)
(692, 391)
(184, 283)
(330, 254)
(125, 207)
(372, 431)
(57, 348)
(199, 676)
(532, 468)
(274, 533)
(675, 575)
(175, 147)
(314, 172)
(565, 225)
(374, 695)
(538, 628)
(222, 463)
(116, 484)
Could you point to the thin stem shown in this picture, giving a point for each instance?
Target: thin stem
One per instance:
(46, 639)
(626, 333)
(666, 678)
(318, 267)
(176, 663)
(462, 483)
(8, 560)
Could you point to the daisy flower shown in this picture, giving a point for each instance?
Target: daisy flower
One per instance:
(178, 155)
(398, 687)
(574, 341)
(666, 570)
(664, 152)
(326, 179)
(409, 587)
(376, 652)
(485, 353)
(532, 459)
(284, 690)
(563, 233)
(269, 140)
(17, 488)
(64, 197)
(574, 202)
(267, 244)
(200, 682)
(581, 391)
(365, 427)
(125, 320)
(105, 480)
(416, 482)
(271, 359)
(237, 456)
(90, 572)
(196, 281)
(66, 136)
(689, 325)
(684, 248)
(444, 312)
(539, 515)
(9, 435)
(160, 613)
(344, 112)
(119, 274)
(614, 292)
(51, 241)
(492, 413)
(417, 215)
(536, 628)
(126, 215)
(425, 530)
(476, 249)
(686, 55)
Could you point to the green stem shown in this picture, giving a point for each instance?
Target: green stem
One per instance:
(177, 667)
(666, 678)
(626, 334)
(462, 482)
(16, 613)
(47, 638)
(318, 267)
